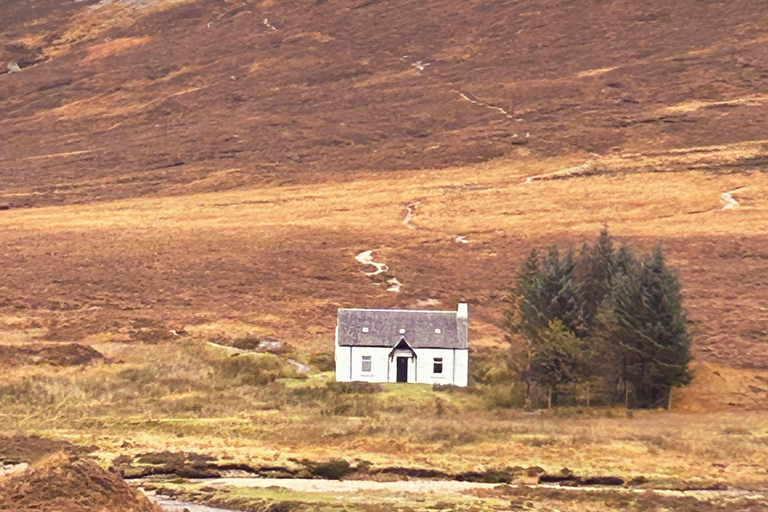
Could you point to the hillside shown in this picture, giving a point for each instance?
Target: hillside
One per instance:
(132, 97)
(211, 169)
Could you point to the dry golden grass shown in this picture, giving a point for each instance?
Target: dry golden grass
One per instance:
(595, 72)
(93, 22)
(113, 105)
(107, 48)
(185, 397)
(161, 397)
(693, 106)
(465, 200)
(276, 261)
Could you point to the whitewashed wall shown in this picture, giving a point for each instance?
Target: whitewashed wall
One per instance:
(425, 366)
(349, 365)
(462, 368)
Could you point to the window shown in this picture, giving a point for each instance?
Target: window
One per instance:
(437, 365)
(365, 329)
(438, 331)
(402, 331)
(366, 363)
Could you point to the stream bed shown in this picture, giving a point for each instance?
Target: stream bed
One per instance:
(434, 488)
(170, 505)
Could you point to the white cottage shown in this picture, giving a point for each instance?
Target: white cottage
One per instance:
(397, 345)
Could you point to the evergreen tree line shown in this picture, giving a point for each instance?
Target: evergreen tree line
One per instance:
(603, 324)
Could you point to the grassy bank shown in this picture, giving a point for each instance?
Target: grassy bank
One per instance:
(255, 409)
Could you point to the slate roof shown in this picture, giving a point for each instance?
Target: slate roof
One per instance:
(384, 328)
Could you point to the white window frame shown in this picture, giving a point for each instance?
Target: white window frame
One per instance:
(367, 360)
(437, 361)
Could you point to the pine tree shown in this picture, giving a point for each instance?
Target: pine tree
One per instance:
(544, 293)
(645, 320)
(523, 317)
(624, 262)
(611, 364)
(525, 314)
(605, 320)
(560, 291)
(556, 358)
(594, 269)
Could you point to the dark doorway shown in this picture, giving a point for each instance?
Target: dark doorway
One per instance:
(402, 369)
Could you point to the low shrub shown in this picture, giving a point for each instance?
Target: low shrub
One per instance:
(354, 388)
(247, 342)
(447, 388)
(491, 367)
(28, 392)
(324, 362)
(505, 396)
(253, 369)
(331, 470)
(348, 405)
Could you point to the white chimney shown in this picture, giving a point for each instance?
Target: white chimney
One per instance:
(462, 322)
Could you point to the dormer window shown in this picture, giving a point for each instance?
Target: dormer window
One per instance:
(402, 331)
(365, 329)
(438, 331)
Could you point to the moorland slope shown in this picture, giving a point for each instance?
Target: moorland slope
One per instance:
(125, 97)
(211, 169)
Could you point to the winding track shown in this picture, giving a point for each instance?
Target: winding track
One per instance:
(366, 258)
(730, 201)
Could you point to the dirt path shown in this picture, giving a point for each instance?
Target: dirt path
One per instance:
(300, 367)
(366, 258)
(481, 104)
(730, 201)
(411, 211)
(12, 469)
(394, 285)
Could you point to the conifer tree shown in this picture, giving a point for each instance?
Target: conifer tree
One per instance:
(605, 321)
(525, 314)
(624, 262)
(644, 319)
(560, 291)
(594, 269)
(545, 293)
(556, 358)
(611, 365)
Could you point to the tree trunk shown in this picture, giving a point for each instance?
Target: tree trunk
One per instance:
(669, 399)
(626, 385)
(549, 398)
(587, 395)
(527, 391)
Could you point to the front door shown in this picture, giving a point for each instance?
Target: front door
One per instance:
(402, 369)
